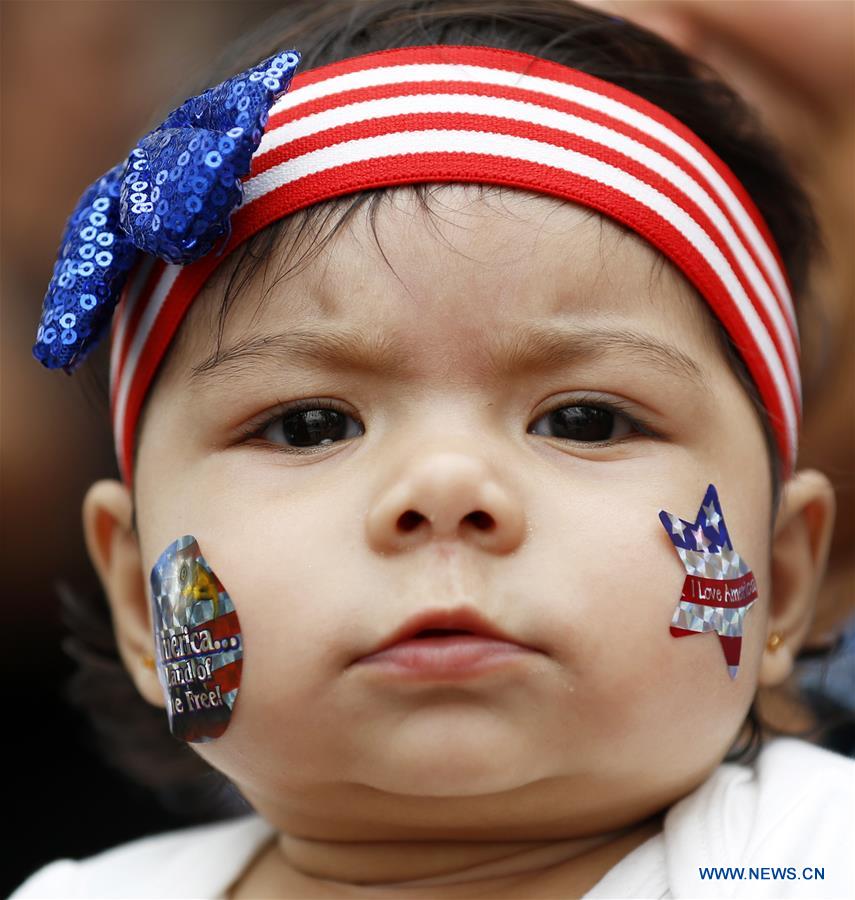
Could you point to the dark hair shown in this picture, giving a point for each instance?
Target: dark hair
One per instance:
(606, 46)
(328, 30)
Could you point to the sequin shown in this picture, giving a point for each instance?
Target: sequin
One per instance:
(172, 198)
(72, 297)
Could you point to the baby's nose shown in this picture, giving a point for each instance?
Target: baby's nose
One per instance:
(446, 496)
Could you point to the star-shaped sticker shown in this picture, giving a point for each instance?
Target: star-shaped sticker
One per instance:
(677, 525)
(701, 540)
(719, 587)
(713, 518)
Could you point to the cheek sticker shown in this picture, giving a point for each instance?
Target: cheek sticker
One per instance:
(719, 587)
(198, 642)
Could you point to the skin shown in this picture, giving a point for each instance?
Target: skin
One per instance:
(797, 70)
(543, 774)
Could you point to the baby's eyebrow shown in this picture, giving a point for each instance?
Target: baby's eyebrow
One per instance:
(337, 348)
(542, 348)
(511, 351)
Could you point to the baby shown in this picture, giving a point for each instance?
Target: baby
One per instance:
(458, 529)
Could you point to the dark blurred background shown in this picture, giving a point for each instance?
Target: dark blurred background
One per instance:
(81, 82)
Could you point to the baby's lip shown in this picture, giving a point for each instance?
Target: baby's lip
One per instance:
(461, 618)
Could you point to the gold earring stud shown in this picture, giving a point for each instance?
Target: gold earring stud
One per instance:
(148, 660)
(775, 641)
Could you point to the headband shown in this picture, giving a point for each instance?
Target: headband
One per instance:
(442, 113)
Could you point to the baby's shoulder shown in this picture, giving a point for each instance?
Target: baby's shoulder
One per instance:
(200, 861)
(791, 811)
(792, 787)
(793, 776)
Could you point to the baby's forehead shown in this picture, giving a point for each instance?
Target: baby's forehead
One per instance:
(475, 259)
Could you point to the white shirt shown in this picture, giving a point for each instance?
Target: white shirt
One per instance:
(778, 826)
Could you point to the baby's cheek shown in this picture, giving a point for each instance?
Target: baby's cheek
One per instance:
(280, 731)
(653, 696)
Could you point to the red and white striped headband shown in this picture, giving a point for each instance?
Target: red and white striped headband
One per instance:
(477, 114)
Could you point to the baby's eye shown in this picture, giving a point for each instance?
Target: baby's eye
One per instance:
(587, 424)
(310, 425)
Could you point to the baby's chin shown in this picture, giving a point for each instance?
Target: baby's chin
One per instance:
(500, 806)
(452, 778)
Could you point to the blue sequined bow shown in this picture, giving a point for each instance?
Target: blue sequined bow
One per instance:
(172, 198)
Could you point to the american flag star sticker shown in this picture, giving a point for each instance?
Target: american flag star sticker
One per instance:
(719, 587)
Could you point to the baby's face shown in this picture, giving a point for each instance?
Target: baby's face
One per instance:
(442, 413)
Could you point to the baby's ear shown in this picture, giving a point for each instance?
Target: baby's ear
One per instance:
(114, 550)
(800, 544)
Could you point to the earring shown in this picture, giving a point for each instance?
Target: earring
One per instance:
(775, 641)
(147, 660)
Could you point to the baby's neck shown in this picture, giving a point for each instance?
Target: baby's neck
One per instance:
(428, 870)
